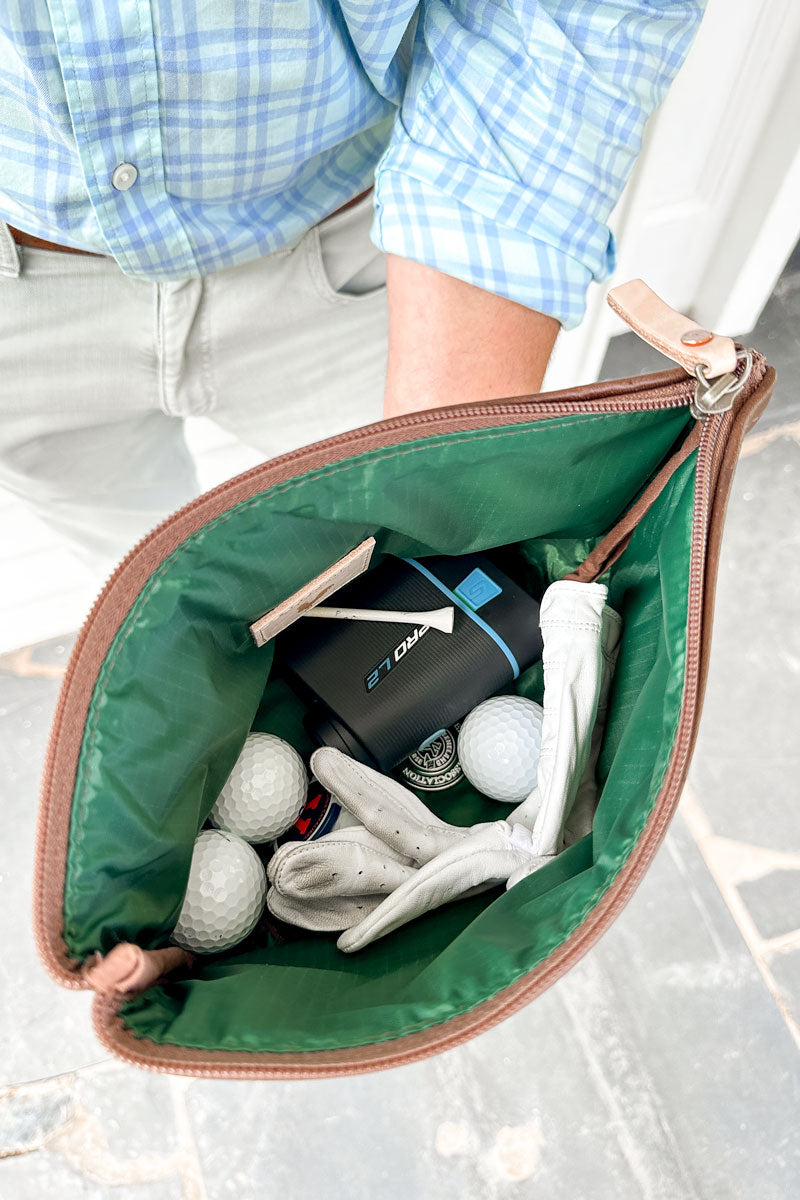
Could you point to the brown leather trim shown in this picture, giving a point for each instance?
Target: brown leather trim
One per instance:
(746, 417)
(606, 552)
(127, 969)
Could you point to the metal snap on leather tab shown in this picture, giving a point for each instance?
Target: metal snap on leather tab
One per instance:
(696, 337)
(124, 177)
(670, 331)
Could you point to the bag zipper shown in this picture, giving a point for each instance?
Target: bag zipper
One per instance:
(669, 389)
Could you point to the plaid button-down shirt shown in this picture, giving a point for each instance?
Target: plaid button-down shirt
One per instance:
(498, 133)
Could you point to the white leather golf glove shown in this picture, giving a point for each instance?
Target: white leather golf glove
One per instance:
(581, 640)
(333, 882)
(581, 636)
(580, 818)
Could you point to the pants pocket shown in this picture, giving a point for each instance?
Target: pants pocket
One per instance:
(346, 267)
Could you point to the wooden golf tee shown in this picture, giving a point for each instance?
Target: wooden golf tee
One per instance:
(438, 618)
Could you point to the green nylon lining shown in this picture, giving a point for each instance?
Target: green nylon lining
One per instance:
(182, 684)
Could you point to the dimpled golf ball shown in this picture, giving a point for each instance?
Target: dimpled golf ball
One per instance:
(224, 896)
(265, 791)
(498, 747)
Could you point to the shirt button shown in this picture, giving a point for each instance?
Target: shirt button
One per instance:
(124, 177)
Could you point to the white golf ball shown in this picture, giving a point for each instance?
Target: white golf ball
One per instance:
(224, 896)
(265, 792)
(498, 747)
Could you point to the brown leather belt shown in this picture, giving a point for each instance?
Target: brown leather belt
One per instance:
(27, 239)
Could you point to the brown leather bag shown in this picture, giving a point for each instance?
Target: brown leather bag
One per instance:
(624, 480)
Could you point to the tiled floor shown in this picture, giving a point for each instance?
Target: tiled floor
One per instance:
(666, 1065)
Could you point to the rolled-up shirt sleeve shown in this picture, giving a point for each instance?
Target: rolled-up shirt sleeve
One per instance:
(519, 126)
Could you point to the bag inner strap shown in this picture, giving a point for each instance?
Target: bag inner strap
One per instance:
(606, 552)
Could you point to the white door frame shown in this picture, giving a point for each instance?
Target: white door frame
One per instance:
(712, 209)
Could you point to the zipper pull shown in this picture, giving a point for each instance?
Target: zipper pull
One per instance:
(717, 397)
(712, 359)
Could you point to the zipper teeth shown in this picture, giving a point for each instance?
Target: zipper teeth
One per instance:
(668, 396)
(712, 432)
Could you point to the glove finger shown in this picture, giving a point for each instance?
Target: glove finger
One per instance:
(528, 868)
(527, 812)
(333, 915)
(487, 857)
(581, 817)
(392, 812)
(351, 863)
(571, 621)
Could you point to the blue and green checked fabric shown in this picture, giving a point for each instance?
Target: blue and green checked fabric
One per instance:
(499, 133)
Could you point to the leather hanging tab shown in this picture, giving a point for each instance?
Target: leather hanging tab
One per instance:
(127, 969)
(670, 332)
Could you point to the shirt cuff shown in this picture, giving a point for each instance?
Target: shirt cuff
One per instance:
(496, 235)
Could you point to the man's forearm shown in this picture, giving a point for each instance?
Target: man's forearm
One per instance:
(451, 342)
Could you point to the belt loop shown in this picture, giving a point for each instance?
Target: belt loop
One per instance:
(10, 258)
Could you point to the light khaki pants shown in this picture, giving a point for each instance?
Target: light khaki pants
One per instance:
(98, 370)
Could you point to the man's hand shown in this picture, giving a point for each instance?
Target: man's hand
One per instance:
(453, 343)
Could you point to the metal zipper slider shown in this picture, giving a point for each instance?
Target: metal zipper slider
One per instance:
(717, 395)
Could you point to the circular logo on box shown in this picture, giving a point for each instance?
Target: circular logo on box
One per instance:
(436, 766)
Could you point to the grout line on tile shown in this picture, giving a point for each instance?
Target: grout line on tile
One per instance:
(83, 1145)
(784, 943)
(189, 1168)
(637, 1118)
(47, 1084)
(716, 853)
(80, 1138)
(20, 662)
(755, 442)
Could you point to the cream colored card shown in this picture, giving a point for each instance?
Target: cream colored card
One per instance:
(313, 593)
